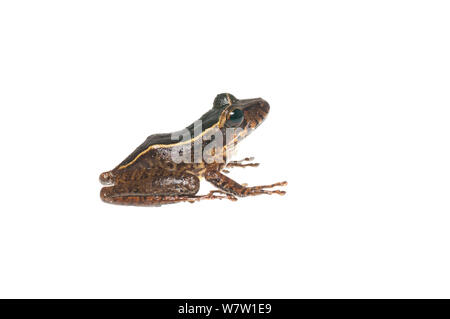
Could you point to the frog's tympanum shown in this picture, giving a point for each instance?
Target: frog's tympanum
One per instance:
(167, 168)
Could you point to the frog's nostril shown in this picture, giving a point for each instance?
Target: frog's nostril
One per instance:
(264, 105)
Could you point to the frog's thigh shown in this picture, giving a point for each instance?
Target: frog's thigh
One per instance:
(155, 190)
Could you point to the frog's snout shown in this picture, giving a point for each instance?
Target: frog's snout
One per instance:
(264, 106)
(106, 178)
(258, 112)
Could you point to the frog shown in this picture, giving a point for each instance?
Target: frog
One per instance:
(167, 168)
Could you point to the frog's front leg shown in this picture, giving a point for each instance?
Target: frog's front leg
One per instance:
(230, 186)
(240, 164)
(158, 190)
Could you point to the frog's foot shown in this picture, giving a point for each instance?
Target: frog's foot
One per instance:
(242, 190)
(257, 190)
(211, 195)
(240, 163)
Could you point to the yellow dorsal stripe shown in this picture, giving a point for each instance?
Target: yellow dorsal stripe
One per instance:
(167, 146)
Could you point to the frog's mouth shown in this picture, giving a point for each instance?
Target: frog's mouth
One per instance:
(255, 112)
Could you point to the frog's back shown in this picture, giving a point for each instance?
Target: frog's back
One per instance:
(206, 121)
(152, 140)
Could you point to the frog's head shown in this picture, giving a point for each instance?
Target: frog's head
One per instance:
(244, 115)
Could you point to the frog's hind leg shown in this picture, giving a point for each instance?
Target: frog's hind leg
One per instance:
(159, 190)
(211, 195)
(107, 178)
(230, 186)
(157, 200)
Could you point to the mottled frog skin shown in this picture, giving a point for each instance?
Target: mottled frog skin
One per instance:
(154, 173)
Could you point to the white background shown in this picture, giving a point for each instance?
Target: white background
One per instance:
(359, 126)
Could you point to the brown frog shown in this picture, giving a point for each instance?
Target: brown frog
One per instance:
(167, 168)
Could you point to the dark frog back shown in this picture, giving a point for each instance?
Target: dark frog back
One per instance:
(206, 121)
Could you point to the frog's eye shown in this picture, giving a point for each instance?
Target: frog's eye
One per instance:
(235, 118)
(223, 100)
